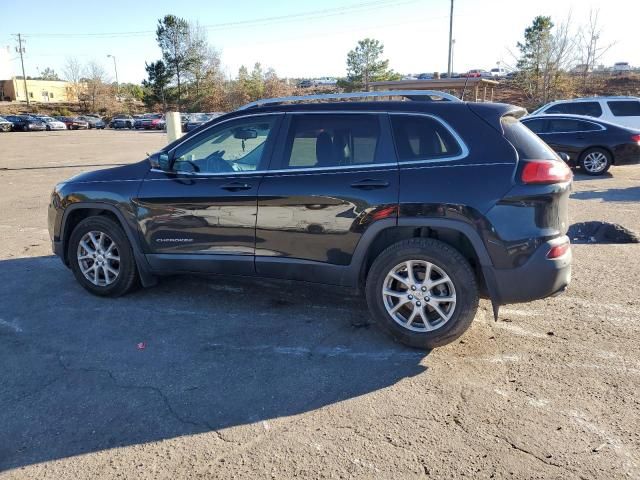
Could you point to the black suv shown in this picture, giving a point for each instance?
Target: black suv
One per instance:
(425, 205)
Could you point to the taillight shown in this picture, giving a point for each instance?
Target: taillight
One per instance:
(558, 250)
(546, 171)
(636, 138)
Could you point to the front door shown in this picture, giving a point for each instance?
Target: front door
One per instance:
(202, 213)
(332, 176)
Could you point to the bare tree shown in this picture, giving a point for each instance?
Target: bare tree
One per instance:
(72, 72)
(96, 81)
(589, 46)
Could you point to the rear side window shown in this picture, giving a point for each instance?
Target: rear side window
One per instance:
(625, 108)
(332, 140)
(591, 109)
(422, 138)
(560, 125)
(527, 144)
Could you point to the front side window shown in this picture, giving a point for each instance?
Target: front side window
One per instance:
(625, 108)
(236, 146)
(422, 138)
(332, 140)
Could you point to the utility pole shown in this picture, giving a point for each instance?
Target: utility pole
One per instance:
(449, 64)
(116, 70)
(24, 77)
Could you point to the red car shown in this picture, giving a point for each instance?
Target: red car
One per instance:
(74, 123)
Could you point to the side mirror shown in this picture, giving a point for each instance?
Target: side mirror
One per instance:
(163, 162)
(160, 161)
(564, 157)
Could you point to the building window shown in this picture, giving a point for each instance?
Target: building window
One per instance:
(51, 95)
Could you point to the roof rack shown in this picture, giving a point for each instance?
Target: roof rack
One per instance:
(410, 94)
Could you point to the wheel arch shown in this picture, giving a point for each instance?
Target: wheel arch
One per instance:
(75, 213)
(457, 234)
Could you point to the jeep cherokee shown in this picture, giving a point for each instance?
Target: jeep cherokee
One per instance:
(424, 205)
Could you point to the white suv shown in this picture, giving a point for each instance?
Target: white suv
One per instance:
(621, 110)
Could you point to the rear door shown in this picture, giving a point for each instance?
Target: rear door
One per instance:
(332, 176)
(571, 136)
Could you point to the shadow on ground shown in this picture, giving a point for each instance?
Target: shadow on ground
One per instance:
(630, 194)
(217, 353)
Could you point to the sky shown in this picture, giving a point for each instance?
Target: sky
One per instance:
(301, 39)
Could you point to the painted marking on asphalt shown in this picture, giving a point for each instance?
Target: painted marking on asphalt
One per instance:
(320, 351)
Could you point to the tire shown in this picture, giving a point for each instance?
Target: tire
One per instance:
(461, 286)
(595, 161)
(127, 273)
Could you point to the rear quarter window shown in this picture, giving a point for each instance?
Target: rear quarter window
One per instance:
(527, 144)
(422, 138)
(625, 108)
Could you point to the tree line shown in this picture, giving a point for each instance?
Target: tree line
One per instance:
(189, 74)
(555, 60)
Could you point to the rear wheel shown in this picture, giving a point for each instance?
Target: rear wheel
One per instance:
(422, 292)
(101, 257)
(595, 161)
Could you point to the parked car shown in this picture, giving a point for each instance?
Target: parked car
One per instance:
(621, 67)
(51, 123)
(593, 145)
(147, 121)
(184, 119)
(425, 76)
(361, 195)
(498, 72)
(25, 123)
(477, 74)
(197, 119)
(5, 125)
(74, 123)
(122, 121)
(93, 122)
(620, 110)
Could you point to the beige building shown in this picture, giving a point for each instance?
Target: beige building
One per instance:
(41, 91)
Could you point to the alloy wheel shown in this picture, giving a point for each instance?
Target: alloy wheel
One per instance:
(99, 258)
(595, 162)
(419, 295)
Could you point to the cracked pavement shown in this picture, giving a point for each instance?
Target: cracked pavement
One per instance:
(267, 379)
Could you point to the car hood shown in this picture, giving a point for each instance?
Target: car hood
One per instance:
(134, 171)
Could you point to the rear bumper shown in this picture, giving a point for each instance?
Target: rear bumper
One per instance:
(539, 277)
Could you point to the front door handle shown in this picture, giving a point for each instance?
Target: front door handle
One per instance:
(370, 184)
(236, 186)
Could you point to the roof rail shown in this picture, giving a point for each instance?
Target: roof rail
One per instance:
(410, 94)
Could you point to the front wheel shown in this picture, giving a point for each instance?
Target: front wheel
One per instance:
(101, 257)
(422, 292)
(595, 161)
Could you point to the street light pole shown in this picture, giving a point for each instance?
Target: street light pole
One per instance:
(116, 70)
(449, 64)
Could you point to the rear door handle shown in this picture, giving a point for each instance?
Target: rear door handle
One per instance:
(236, 186)
(370, 184)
